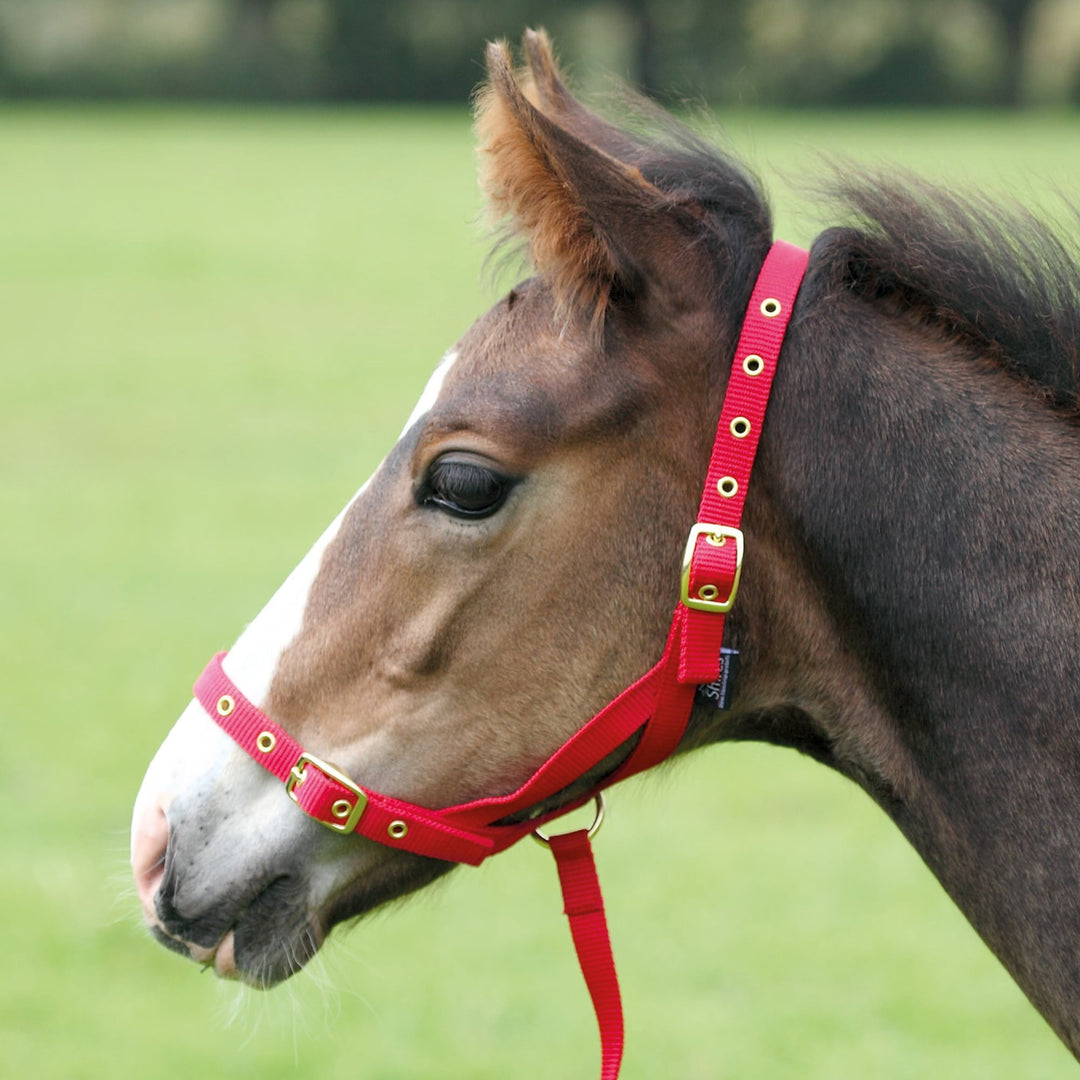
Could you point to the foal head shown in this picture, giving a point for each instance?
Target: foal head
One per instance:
(513, 562)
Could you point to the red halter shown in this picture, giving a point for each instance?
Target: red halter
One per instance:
(657, 706)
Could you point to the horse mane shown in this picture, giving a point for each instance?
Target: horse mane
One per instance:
(993, 275)
(690, 169)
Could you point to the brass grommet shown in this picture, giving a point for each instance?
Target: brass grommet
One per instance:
(266, 741)
(225, 705)
(740, 427)
(397, 829)
(770, 307)
(727, 486)
(753, 365)
(708, 592)
(341, 809)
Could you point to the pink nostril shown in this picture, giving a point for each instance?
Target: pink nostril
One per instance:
(149, 840)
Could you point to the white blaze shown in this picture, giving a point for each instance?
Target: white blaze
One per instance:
(252, 661)
(431, 391)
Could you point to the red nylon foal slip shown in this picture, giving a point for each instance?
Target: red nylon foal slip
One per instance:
(656, 707)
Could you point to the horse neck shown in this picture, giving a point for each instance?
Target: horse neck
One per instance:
(910, 612)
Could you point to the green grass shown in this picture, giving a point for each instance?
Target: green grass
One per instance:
(212, 325)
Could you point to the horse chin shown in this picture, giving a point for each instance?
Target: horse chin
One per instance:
(263, 964)
(268, 944)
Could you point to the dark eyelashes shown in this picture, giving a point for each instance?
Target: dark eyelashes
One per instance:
(464, 488)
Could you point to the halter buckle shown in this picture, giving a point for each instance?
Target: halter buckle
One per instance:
(719, 535)
(348, 813)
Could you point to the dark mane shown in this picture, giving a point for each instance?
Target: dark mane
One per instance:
(687, 166)
(690, 169)
(994, 275)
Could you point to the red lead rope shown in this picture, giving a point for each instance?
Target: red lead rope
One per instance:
(656, 707)
(584, 907)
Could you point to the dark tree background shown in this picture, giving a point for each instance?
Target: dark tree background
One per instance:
(791, 52)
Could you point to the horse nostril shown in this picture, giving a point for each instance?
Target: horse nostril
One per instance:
(149, 842)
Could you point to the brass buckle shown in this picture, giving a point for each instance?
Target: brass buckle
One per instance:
(349, 813)
(719, 535)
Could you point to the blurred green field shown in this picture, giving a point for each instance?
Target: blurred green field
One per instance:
(212, 325)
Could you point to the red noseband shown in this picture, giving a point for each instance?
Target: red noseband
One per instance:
(657, 706)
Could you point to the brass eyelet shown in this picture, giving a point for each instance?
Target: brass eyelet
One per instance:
(727, 486)
(342, 808)
(770, 307)
(225, 705)
(266, 741)
(740, 427)
(708, 592)
(753, 365)
(397, 829)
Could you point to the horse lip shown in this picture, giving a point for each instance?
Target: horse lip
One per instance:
(221, 958)
(159, 934)
(201, 955)
(224, 959)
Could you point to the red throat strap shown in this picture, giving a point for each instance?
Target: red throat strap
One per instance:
(656, 707)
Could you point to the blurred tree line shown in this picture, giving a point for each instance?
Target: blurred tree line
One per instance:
(796, 52)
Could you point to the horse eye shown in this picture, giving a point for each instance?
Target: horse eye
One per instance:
(464, 488)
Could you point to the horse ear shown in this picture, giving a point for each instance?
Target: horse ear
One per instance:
(546, 90)
(550, 167)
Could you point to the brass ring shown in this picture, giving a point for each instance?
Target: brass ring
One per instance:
(341, 809)
(266, 741)
(225, 705)
(770, 307)
(740, 427)
(397, 829)
(727, 486)
(753, 365)
(598, 819)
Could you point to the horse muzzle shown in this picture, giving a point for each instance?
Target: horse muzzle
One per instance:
(218, 858)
